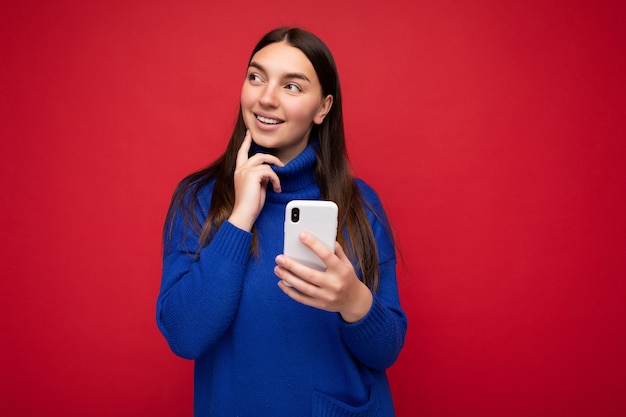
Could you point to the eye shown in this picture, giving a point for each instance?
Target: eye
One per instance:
(295, 88)
(255, 78)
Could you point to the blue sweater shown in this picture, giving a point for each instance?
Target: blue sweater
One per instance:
(259, 353)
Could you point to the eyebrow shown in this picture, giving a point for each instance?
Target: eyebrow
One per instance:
(297, 75)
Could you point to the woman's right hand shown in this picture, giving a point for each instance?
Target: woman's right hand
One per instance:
(251, 178)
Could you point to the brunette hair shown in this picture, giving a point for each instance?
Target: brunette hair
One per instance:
(333, 173)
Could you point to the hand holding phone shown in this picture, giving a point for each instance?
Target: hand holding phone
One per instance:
(318, 218)
(337, 288)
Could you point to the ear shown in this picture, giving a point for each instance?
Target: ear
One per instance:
(327, 103)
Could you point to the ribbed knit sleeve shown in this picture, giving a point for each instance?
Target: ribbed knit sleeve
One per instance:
(200, 293)
(377, 339)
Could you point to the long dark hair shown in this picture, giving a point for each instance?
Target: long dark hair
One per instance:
(333, 173)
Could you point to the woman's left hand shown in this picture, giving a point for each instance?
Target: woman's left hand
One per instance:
(337, 289)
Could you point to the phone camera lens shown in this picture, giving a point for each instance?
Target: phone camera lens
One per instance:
(295, 214)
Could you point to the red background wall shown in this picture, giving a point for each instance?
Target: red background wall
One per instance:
(493, 130)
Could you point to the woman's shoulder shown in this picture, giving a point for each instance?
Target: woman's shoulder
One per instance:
(369, 195)
(372, 204)
(191, 198)
(364, 187)
(375, 212)
(195, 186)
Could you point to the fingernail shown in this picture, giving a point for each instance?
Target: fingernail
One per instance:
(304, 236)
(280, 259)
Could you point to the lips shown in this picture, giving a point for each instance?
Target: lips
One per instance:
(268, 120)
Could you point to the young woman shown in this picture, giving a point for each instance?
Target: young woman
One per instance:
(270, 336)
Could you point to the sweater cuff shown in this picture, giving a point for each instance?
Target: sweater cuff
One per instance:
(232, 243)
(374, 322)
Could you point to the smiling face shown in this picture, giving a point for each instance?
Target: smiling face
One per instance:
(281, 99)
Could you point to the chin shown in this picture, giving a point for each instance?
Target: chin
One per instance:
(265, 144)
(259, 135)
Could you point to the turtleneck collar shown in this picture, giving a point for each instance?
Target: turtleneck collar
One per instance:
(297, 176)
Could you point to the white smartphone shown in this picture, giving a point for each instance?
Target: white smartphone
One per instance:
(319, 218)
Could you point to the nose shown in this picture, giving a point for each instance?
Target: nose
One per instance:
(268, 97)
